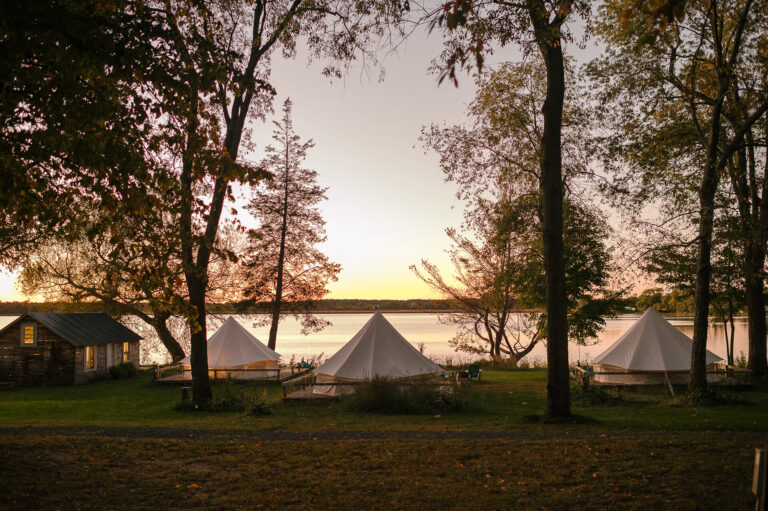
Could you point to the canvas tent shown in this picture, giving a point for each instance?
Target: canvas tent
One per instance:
(377, 350)
(652, 351)
(234, 351)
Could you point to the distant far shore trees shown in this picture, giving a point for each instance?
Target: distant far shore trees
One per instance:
(326, 305)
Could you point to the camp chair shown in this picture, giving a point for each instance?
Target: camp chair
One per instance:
(587, 368)
(473, 371)
(583, 372)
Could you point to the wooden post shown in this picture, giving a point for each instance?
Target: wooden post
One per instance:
(669, 383)
(759, 479)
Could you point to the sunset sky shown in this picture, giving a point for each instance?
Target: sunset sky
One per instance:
(387, 206)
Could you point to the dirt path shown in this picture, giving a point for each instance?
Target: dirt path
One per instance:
(279, 436)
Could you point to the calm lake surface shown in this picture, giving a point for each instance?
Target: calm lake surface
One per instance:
(426, 328)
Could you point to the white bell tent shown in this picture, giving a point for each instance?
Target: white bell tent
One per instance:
(234, 347)
(652, 351)
(377, 350)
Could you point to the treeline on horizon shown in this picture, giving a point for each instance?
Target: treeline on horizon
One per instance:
(332, 305)
(674, 302)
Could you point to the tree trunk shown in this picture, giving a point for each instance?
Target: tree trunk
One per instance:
(729, 340)
(707, 189)
(201, 385)
(756, 310)
(753, 216)
(756, 277)
(158, 322)
(168, 340)
(196, 269)
(525, 351)
(280, 260)
(551, 190)
(194, 276)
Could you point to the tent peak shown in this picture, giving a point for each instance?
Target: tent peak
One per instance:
(233, 345)
(377, 349)
(651, 344)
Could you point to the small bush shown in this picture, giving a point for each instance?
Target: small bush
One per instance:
(589, 395)
(387, 396)
(228, 397)
(123, 370)
(705, 398)
(185, 406)
(534, 363)
(741, 360)
(499, 364)
(257, 407)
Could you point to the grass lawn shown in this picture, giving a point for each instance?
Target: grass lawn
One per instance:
(646, 452)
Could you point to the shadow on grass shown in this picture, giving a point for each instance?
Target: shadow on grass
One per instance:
(572, 419)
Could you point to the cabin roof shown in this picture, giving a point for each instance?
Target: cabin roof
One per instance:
(82, 328)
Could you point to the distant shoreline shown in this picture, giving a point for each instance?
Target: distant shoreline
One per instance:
(329, 306)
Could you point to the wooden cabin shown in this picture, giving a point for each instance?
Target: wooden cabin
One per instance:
(64, 348)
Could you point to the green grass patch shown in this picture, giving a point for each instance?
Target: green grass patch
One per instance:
(589, 395)
(498, 403)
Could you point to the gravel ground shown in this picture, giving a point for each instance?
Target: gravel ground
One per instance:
(278, 436)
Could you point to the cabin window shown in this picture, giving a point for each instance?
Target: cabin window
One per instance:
(90, 357)
(126, 351)
(29, 334)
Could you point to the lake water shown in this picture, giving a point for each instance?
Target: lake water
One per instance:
(426, 328)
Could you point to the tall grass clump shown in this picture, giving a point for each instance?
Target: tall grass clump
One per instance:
(383, 395)
(228, 397)
(588, 395)
(123, 370)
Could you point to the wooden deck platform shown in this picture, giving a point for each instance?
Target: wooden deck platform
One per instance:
(307, 394)
(186, 377)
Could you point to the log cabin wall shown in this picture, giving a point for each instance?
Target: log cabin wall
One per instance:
(53, 360)
(133, 353)
(84, 374)
(50, 360)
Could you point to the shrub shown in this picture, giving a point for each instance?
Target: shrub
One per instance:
(387, 396)
(227, 397)
(499, 364)
(533, 363)
(741, 360)
(123, 370)
(257, 407)
(185, 406)
(705, 398)
(590, 395)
